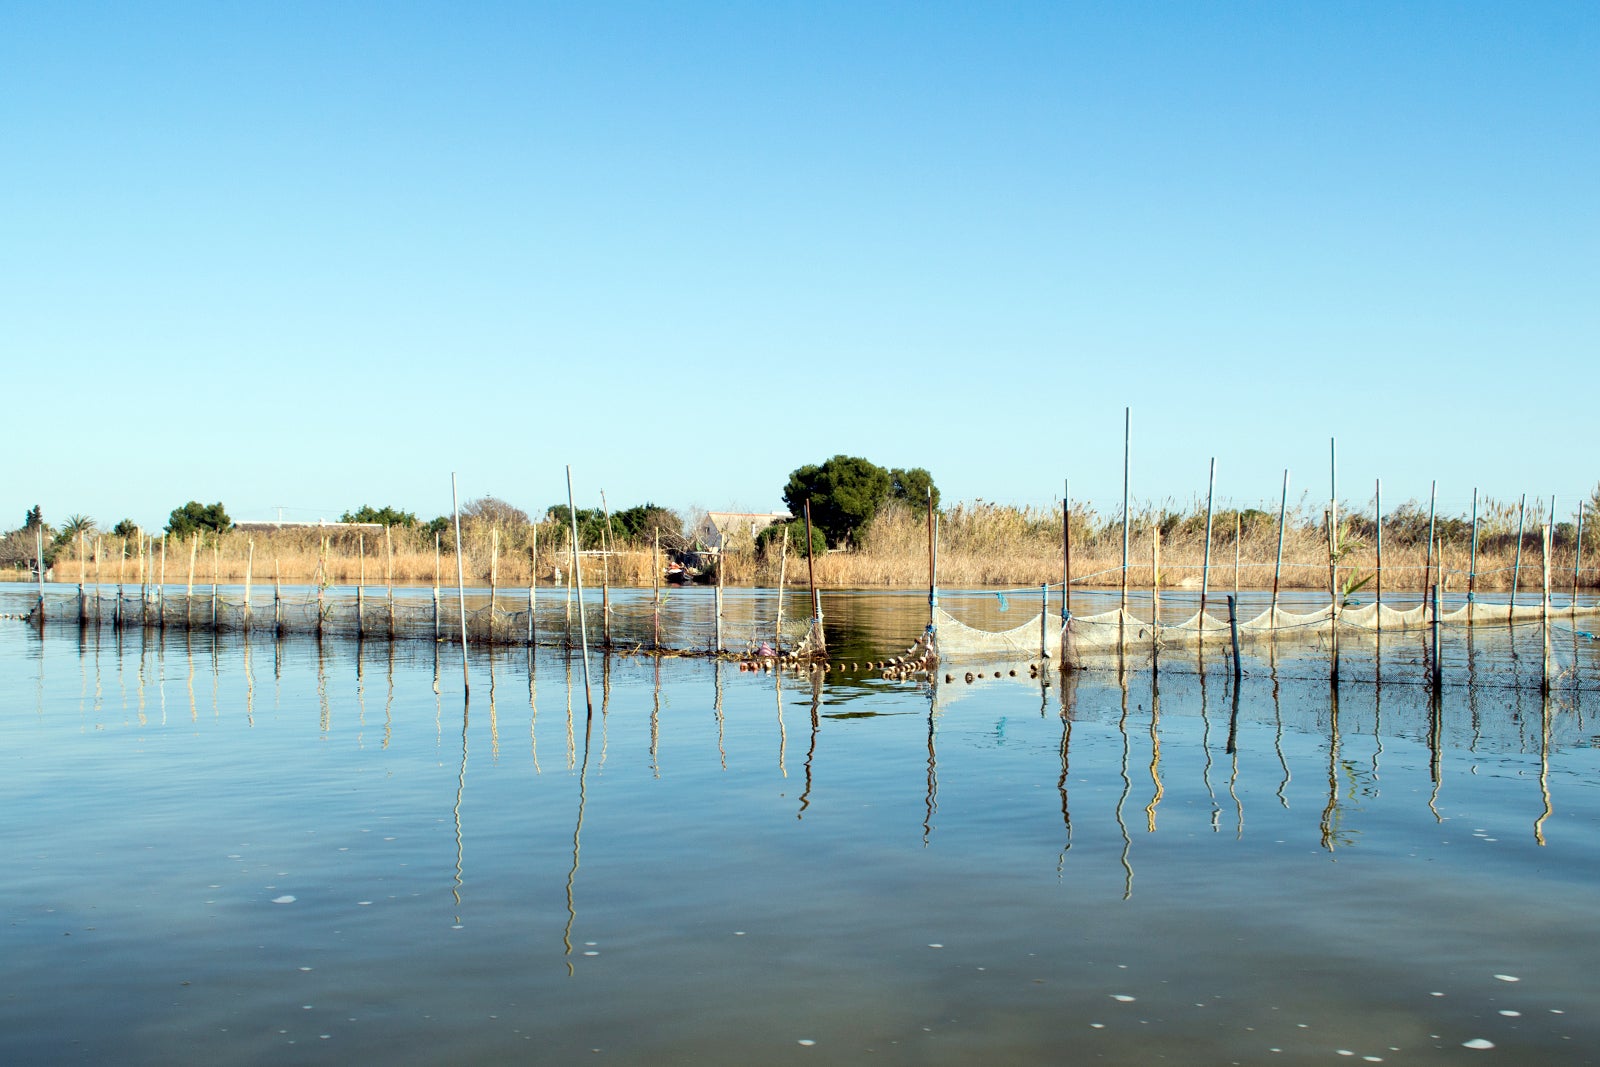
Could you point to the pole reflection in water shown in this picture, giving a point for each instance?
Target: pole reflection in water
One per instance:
(1205, 746)
(1068, 704)
(1233, 752)
(572, 745)
(461, 790)
(1544, 769)
(533, 710)
(1155, 755)
(388, 699)
(783, 733)
(577, 836)
(322, 687)
(716, 704)
(811, 752)
(494, 716)
(930, 802)
(655, 721)
(1277, 721)
(1331, 813)
(1127, 787)
(1435, 739)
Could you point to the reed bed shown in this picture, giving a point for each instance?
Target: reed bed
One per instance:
(980, 545)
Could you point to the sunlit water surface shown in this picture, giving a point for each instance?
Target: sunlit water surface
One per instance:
(280, 852)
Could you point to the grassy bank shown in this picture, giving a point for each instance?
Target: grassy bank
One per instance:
(979, 545)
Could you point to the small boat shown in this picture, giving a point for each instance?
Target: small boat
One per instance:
(678, 574)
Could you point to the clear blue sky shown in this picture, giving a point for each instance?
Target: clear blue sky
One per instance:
(317, 255)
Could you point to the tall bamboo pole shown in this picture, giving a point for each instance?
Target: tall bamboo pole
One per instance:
(605, 576)
(783, 578)
(38, 538)
(811, 567)
(1066, 550)
(577, 578)
(388, 575)
(83, 606)
(1577, 559)
(1377, 574)
(361, 586)
(533, 586)
(933, 585)
(1516, 568)
(249, 567)
(1277, 568)
(436, 554)
(1205, 565)
(1433, 498)
(461, 584)
(1127, 437)
(1472, 563)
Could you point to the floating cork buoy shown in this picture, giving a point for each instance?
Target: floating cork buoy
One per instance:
(969, 677)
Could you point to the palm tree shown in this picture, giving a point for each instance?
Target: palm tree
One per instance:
(79, 524)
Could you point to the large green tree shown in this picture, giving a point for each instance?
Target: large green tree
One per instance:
(195, 516)
(914, 487)
(845, 493)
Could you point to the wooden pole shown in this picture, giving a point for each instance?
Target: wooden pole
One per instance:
(494, 575)
(38, 538)
(436, 553)
(1427, 569)
(277, 594)
(1277, 568)
(722, 570)
(163, 592)
(1238, 544)
(1439, 669)
(655, 599)
(1333, 525)
(783, 577)
(1205, 565)
(388, 575)
(811, 568)
(98, 544)
(577, 578)
(1155, 585)
(1472, 563)
(1066, 550)
(533, 586)
(1377, 574)
(188, 592)
(83, 606)
(1516, 569)
(933, 586)
(216, 573)
(605, 578)
(1233, 631)
(1127, 437)
(1577, 559)
(249, 569)
(1044, 620)
(322, 584)
(1544, 606)
(461, 584)
(361, 586)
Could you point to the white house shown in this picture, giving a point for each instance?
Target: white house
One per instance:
(733, 529)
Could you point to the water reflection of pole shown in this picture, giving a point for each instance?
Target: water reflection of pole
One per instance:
(716, 704)
(1435, 737)
(1233, 751)
(1068, 700)
(1127, 787)
(930, 804)
(1205, 747)
(494, 718)
(1330, 814)
(388, 699)
(533, 711)
(655, 720)
(1544, 768)
(322, 685)
(783, 733)
(1155, 755)
(572, 744)
(816, 720)
(461, 789)
(577, 835)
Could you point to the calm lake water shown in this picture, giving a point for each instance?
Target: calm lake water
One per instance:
(253, 851)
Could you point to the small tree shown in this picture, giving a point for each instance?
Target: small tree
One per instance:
(126, 529)
(195, 516)
(493, 511)
(385, 516)
(769, 542)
